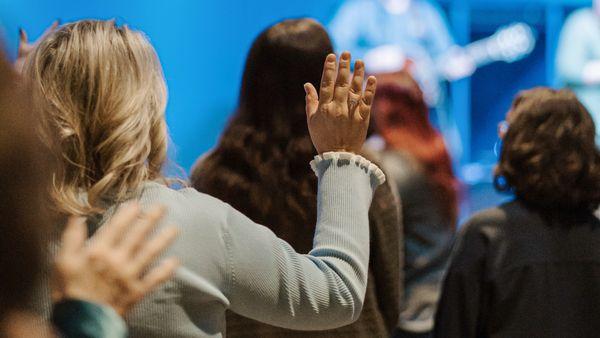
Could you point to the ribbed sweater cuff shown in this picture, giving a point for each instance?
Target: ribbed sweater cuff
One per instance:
(322, 162)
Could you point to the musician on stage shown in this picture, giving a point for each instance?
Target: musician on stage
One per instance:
(578, 58)
(394, 33)
(418, 27)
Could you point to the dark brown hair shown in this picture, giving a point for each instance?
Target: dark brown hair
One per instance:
(23, 183)
(260, 165)
(549, 157)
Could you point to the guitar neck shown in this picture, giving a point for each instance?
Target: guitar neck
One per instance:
(507, 44)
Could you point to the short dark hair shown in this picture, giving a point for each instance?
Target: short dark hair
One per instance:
(549, 156)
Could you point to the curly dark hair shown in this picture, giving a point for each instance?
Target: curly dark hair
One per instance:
(549, 157)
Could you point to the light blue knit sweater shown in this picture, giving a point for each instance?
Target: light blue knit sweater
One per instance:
(229, 262)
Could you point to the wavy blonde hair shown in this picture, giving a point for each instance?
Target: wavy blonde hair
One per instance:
(102, 95)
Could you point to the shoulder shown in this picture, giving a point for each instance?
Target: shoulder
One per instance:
(487, 225)
(401, 168)
(187, 204)
(491, 224)
(399, 160)
(580, 18)
(359, 6)
(199, 166)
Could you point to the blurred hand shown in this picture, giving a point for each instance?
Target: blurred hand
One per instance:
(338, 117)
(111, 268)
(25, 48)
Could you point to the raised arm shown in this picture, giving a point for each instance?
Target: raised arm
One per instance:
(272, 283)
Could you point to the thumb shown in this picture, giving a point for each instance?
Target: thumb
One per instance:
(74, 236)
(22, 36)
(312, 99)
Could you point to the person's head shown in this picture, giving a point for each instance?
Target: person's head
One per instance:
(396, 6)
(101, 92)
(260, 163)
(24, 183)
(549, 158)
(282, 58)
(401, 118)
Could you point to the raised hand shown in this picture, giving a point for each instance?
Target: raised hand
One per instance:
(25, 48)
(338, 117)
(111, 268)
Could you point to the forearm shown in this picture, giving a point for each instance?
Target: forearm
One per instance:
(324, 289)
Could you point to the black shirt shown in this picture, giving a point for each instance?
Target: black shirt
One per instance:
(517, 274)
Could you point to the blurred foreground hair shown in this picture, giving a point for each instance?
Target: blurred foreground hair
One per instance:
(24, 183)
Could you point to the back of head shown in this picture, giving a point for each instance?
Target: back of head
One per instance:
(549, 156)
(23, 182)
(281, 59)
(102, 94)
(260, 165)
(401, 117)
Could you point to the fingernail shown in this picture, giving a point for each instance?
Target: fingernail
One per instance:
(331, 58)
(20, 32)
(306, 88)
(345, 55)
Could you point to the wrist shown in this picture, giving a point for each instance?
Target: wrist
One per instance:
(322, 163)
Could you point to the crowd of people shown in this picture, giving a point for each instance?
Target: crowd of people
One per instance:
(291, 226)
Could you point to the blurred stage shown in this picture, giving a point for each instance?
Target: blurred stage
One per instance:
(202, 45)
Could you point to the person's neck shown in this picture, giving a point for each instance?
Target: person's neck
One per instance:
(397, 6)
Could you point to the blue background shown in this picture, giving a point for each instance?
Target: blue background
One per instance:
(202, 46)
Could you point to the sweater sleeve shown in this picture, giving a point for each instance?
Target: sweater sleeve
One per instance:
(324, 289)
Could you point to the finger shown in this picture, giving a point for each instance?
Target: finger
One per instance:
(328, 79)
(22, 36)
(74, 236)
(160, 274)
(109, 233)
(342, 84)
(50, 29)
(367, 98)
(312, 99)
(358, 77)
(22, 42)
(140, 231)
(153, 249)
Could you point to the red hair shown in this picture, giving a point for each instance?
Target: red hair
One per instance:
(401, 117)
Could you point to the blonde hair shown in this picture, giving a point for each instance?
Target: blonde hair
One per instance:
(102, 95)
